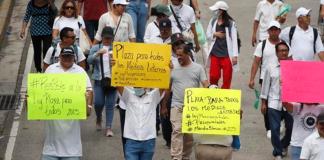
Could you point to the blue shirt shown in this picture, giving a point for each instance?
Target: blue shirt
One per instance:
(39, 19)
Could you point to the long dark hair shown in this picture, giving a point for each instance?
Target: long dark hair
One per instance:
(226, 18)
(62, 10)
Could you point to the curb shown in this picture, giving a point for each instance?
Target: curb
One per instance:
(5, 14)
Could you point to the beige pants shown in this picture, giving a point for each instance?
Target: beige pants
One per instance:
(181, 144)
(213, 152)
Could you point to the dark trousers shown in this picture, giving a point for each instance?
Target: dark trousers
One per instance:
(91, 27)
(166, 125)
(40, 44)
(122, 124)
(275, 117)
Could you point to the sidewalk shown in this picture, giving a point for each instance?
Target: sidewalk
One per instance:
(12, 60)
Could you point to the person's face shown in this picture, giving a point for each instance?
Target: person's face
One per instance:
(106, 41)
(304, 19)
(69, 38)
(282, 52)
(69, 9)
(182, 57)
(66, 61)
(274, 32)
(165, 32)
(320, 128)
(176, 2)
(120, 8)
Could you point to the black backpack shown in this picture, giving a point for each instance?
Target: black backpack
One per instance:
(292, 31)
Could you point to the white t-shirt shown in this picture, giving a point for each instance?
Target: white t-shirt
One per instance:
(140, 114)
(62, 137)
(151, 31)
(125, 30)
(265, 13)
(304, 122)
(186, 17)
(302, 43)
(313, 147)
(48, 56)
(61, 22)
(322, 2)
(269, 56)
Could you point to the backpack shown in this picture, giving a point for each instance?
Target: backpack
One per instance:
(239, 44)
(292, 31)
(53, 58)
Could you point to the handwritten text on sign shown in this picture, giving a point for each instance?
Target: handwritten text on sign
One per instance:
(141, 65)
(211, 111)
(56, 96)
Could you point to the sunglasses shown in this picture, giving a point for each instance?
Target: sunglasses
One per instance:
(73, 37)
(69, 7)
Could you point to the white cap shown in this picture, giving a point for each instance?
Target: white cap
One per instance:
(219, 5)
(122, 2)
(274, 24)
(302, 12)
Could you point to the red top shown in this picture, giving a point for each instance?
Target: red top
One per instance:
(93, 9)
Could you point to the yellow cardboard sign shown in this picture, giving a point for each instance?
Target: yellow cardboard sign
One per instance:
(56, 96)
(211, 111)
(141, 65)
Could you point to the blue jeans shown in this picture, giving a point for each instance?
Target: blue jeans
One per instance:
(295, 152)
(47, 157)
(91, 27)
(139, 12)
(107, 99)
(275, 117)
(139, 150)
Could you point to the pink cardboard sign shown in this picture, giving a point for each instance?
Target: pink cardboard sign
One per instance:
(302, 81)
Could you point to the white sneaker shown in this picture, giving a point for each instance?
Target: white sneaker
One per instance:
(278, 158)
(269, 134)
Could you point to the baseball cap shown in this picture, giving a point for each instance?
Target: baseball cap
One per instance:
(320, 118)
(274, 24)
(162, 9)
(122, 2)
(176, 38)
(219, 5)
(165, 23)
(67, 51)
(302, 12)
(107, 32)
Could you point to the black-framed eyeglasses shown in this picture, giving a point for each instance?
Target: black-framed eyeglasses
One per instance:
(69, 7)
(72, 37)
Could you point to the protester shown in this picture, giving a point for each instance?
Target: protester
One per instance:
(67, 37)
(120, 21)
(193, 3)
(313, 147)
(183, 21)
(305, 116)
(267, 11)
(68, 17)
(265, 55)
(39, 13)
(304, 40)
(270, 93)
(92, 10)
(100, 56)
(139, 11)
(165, 29)
(223, 48)
(140, 118)
(152, 29)
(187, 75)
(63, 137)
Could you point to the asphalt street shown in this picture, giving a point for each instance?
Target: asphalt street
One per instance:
(255, 145)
